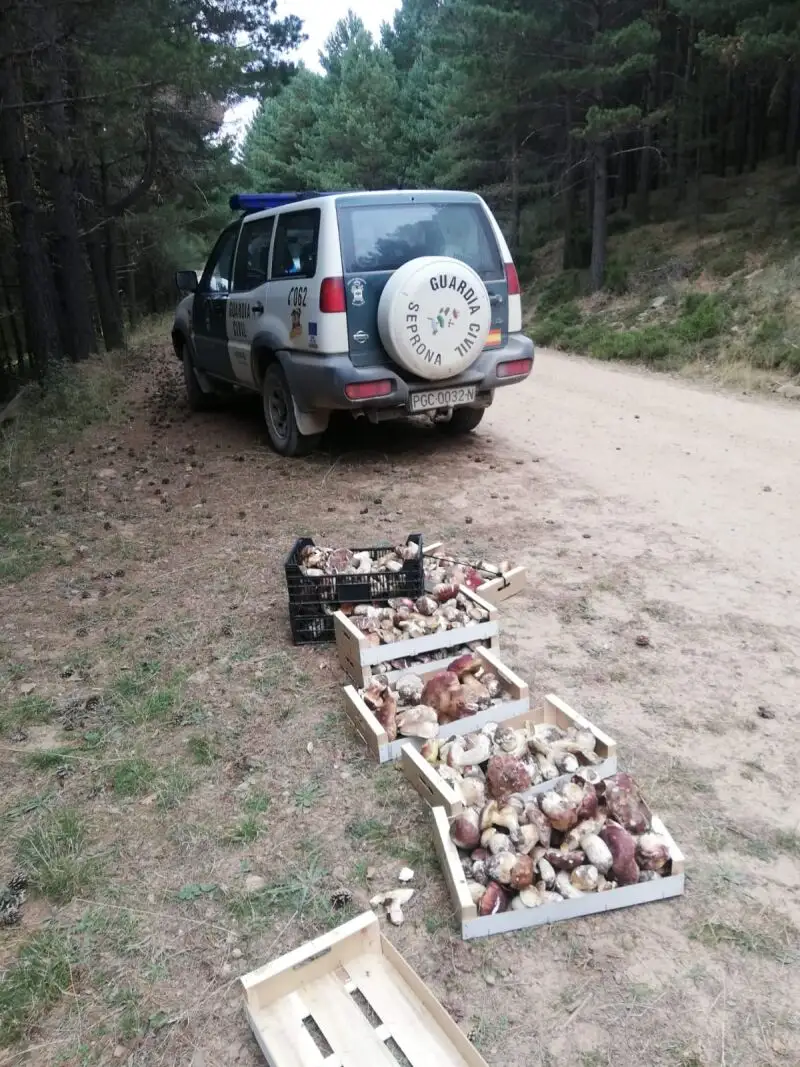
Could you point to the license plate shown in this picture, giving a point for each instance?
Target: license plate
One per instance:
(442, 398)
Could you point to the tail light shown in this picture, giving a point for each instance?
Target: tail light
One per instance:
(332, 298)
(512, 279)
(513, 367)
(367, 390)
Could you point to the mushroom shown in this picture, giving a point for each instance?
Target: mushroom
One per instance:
(585, 878)
(501, 867)
(597, 852)
(622, 846)
(564, 861)
(494, 900)
(473, 791)
(506, 775)
(565, 887)
(495, 841)
(420, 721)
(409, 689)
(652, 852)
(443, 692)
(522, 873)
(625, 803)
(465, 829)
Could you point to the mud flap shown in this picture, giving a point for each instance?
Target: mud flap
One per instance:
(311, 422)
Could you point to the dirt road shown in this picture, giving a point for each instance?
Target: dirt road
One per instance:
(214, 753)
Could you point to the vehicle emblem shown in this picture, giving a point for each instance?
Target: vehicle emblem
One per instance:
(356, 287)
(443, 320)
(361, 338)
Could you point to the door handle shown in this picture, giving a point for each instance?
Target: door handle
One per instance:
(257, 308)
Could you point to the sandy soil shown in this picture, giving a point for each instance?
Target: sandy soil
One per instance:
(640, 505)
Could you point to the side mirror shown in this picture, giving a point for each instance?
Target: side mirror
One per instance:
(186, 280)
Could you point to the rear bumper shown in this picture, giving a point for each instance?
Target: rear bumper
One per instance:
(318, 382)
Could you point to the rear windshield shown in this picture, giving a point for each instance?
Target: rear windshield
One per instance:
(385, 236)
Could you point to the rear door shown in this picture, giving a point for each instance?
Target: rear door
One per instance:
(379, 234)
(293, 289)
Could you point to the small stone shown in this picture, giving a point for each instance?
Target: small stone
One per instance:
(658, 302)
(237, 953)
(642, 640)
(364, 511)
(765, 713)
(406, 875)
(371, 872)
(310, 747)
(489, 978)
(225, 969)
(27, 688)
(119, 1052)
(587, 537)
(468, 520)
(378, 500)
(254, 883)
(767, 488)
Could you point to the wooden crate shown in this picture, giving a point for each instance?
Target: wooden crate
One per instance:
(357, 656)
(495, 589)
(377, 741)
(474, 925)
(305, 1007)
(439, 793)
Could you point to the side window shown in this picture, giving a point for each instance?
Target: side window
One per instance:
(252, 255)
(296, 240)
(219, 269)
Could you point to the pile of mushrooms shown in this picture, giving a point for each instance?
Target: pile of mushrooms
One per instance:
(316, 562)
(579, 838)
(447, 608)
(417, 708)
(447, 570)
(545, 751)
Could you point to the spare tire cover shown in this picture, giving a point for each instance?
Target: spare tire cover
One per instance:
(434, 316)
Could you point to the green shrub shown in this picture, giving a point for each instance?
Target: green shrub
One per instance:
(702, 317)
(558, 290)
(553, 328)
(616, 279)
(727, 262)
(771, 328)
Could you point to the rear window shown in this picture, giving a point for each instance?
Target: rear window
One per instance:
(385, 236)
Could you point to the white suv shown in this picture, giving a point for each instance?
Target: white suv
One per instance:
(383, 304)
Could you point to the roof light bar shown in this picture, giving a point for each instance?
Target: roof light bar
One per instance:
(264, 201)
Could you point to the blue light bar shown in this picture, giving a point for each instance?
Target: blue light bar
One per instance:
(264, 201)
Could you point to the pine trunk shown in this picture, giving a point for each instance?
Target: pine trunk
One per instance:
(36, 286)
(107, 305)
(59, 178)
(597, 267)
(792, 142)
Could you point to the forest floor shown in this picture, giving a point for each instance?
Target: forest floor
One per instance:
(182, 787)
(709, 286)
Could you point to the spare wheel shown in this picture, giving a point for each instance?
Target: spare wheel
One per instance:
(434, 316)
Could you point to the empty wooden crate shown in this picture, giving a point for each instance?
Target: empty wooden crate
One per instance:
(349, 999)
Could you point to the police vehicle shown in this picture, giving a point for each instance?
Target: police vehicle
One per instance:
(383, 304)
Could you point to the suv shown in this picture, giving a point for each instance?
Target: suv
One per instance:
(383, 304)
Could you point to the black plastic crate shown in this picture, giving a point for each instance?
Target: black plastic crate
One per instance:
(313, 600)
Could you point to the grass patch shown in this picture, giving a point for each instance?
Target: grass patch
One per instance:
(53, 854)
(49, 758)
(487, 1030)
(308, 794)
(34, 982)
(301, 891)
(174, 786)
(132, 777)
(778, 941)
(788, 841)
(257, 802)
(202, 750)
(21, 554)
(246, 831)
(384, 836)
(25, 711)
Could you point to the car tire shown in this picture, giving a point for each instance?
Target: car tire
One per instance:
(463, 420)
(197, 399)
(284, 435)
